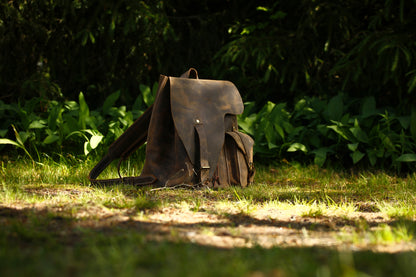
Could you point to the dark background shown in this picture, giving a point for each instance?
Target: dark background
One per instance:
(272, 50)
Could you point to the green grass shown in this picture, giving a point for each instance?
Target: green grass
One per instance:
(53, 222)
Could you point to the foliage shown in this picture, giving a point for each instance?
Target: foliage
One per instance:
(342, 130)
(274, 50)
(69, 126)
(288, 49)
(57, 48)
(54, 49)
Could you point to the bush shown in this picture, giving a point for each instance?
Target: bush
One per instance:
(344, 130)
(289, 49)
(52, 49)
(69, 126)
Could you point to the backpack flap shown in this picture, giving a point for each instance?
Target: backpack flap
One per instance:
(198, 111)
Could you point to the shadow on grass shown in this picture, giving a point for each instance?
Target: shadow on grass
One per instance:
(43, 243)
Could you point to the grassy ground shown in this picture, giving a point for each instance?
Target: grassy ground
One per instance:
(294, 221)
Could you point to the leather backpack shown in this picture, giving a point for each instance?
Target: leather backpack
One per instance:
(192, 137)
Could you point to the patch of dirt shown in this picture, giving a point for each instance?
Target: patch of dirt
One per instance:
(264, 227)
(271, 228)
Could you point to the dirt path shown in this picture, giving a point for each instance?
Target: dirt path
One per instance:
(264, 228)
(269, 228)
(227, 225)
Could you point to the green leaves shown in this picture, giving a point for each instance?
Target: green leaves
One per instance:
(84, 111)
(148, 93)
(314, 130)
(110, 101)
(333, 131)
(69, 126)
(18, 143)
(297, 147)
(407, 158)
(335, 108)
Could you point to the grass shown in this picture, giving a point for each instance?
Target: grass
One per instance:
(54, 222)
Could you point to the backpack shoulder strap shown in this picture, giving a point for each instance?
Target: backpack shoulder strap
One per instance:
(129, 141)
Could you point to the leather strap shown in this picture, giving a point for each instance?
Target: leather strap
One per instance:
(101, 165)
(129, 141)
(191, 73)
(203, 151)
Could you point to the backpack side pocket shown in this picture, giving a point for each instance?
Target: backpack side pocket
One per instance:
(235, 165)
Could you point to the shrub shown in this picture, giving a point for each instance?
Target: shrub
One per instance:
(343, 130)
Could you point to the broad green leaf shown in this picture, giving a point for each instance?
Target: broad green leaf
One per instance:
(280, 117)
(80, 133)
(340, 131)
(51, 139)
(267, 109)
(148, 96)
(358, 133)
(279, 130)
(21, 146)
(95, 140)
(369, 107)
(320, 158)
(54, 116)
(288, 127)
(407, 158)
(322, 129)
(387, 143)
(372, 157)
(70, 125)
(3, 133)
(247, 123)
(138, 107)
(87, 148)
(357, 156)
(335, 107)
(84, 111)
(18, 137)
(9, 141)
(23, 136)
(249, 108)
(270, 135)
(320, 155)
(297, 147)
(318, 105)
(71, 105)
(353, 146)
(404, 121)
(38, 124)
(89, 131)
(155, 88)
(110, 101)
(300, 105)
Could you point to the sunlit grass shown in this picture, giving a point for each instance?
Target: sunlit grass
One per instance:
(398, 209)
(381, 235)
(311, 190)
(52, 197)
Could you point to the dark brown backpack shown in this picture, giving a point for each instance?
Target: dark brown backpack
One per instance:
(192, 137)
